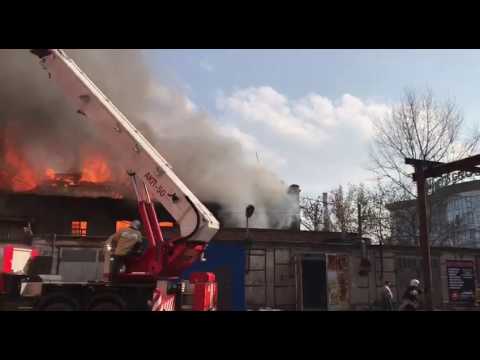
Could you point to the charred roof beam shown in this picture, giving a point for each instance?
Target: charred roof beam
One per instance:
(436, 169)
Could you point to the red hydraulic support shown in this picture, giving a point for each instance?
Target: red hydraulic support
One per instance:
(142, 208)
(161, 251)
(178, 250)
(182, 257)
(152, 215)
(150, 262)
(162, 258)
(205, 293)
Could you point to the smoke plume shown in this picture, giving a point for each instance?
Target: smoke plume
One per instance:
(36, 118)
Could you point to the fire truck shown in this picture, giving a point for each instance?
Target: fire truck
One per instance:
(151, 279)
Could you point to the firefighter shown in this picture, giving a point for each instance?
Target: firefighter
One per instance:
(411, 296)
(124, 243)
(28, 233)
(387, 296)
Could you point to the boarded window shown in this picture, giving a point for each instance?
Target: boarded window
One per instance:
(79, 228)
(79, 255)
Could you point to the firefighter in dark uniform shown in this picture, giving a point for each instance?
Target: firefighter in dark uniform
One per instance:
(124, 243)
(410, 300)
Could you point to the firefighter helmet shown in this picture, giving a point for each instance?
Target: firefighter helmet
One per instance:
(414, 282)
(136, 224)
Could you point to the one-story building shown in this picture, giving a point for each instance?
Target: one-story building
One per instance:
(274, 268)
(296, 270)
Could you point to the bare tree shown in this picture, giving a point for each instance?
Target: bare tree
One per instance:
(368, 210)
(364, 212)
(343, 209)
(312, 214)
(357, 209)
(376, 217)
(422, 128)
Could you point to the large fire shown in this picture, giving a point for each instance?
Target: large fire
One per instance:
(50, 174)
(96, 170)
(20, 176)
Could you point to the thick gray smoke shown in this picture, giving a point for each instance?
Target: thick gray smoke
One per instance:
(50, 134)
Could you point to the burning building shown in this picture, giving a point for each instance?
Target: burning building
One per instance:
(44, 143)
(60, 182)
(94, 194)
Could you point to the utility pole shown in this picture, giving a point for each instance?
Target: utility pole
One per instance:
(316, 224)
(249, 210)
(326, 218)
(359, 211)
(423, 227)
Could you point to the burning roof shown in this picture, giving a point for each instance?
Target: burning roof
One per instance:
(94, 178)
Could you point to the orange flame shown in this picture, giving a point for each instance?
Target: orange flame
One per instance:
(50, 174)
(95, 170)
(18, 175)
(24, 178)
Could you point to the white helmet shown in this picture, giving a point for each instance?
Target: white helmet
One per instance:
(136, 224)
(414, 282)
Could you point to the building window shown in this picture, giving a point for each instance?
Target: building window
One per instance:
(470, 220)
(79, 228)
(122, 224)
(472, 236)
(408, 263)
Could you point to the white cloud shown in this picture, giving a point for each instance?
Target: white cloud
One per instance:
(168, 96)
(314, 140)
(190, 105)
(312, 118)
(265, 105)
(207, 66)
(254, 151)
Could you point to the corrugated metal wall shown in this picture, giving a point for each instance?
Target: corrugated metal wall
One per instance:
(270, 279)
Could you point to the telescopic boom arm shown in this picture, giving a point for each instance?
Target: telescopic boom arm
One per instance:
(195, 221)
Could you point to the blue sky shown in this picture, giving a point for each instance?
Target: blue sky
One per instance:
(240, 88)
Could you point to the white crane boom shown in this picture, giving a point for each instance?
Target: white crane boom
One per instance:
(196, 222)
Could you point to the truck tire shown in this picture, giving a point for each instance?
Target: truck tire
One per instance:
(58, 306)
(106, 306)
(107, 302)
(57, 302)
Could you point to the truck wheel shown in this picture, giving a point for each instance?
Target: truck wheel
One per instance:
(58, 306)
(106, 306)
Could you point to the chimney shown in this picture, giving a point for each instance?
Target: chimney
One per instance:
(294, 193)
(326, 215)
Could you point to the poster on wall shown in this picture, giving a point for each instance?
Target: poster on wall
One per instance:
(338, 282)
(461, 281)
